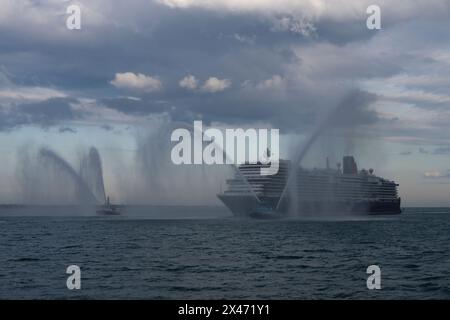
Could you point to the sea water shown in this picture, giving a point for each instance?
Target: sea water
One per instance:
(196, 253)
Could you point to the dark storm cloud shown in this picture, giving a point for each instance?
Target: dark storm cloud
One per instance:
(174, 43)
(48, 111)
(137, 107)
(154, 40)
(67, 130)
(319, 61)
(354, 109)
(245, 106)
(44, 113)
(107, 127)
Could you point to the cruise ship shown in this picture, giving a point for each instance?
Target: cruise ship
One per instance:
(250, 194)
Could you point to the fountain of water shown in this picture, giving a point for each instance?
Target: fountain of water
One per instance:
(228, 160)
(91, 171)
(83, 193)
(296, 163)
(346, 108)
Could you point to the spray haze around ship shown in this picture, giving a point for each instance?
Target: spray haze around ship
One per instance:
(350, 103)
(228, 160)
(300, 192)
(150, 178)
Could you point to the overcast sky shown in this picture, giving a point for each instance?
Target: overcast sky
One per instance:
(284, 64)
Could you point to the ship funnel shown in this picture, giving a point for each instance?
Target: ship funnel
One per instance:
(350, 166)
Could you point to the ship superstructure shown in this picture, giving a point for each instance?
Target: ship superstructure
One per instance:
(313, 190)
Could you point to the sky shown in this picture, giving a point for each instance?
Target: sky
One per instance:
(139, 67)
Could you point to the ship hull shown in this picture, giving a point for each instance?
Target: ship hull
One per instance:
(248, 206)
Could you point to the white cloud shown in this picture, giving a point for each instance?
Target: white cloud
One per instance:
(249, 5)
(425, 80)
(339, 10)
(214, 84)
(138, 82)
(436, 174)
(293, 25)
(274, 82)
(244, 39)
(189, 82)
(23, 94)
(420, 96)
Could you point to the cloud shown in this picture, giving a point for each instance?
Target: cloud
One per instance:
(276, 81)
(296, 26)
(11, 92)
(17, 93)
(67, 130)
(354, 109)
(291, 81)
(211, 85)
(214, 84)
(138, 82)
(244, 39)
(339, 10)
(436, 174)
(107, 127)
(189, 82)
(43, 113)
(46, 112)
(308, 7)
(135, 107)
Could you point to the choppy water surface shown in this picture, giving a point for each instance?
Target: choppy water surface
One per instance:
(132, 257)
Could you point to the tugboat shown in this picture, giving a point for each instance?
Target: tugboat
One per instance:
(108, 209)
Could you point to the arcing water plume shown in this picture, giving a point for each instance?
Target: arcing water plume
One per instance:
(227, 157)
(50, 159)
(351, 109)
(157, 180)
(91, 171)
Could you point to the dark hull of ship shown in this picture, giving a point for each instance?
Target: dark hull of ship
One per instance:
(248, 206)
